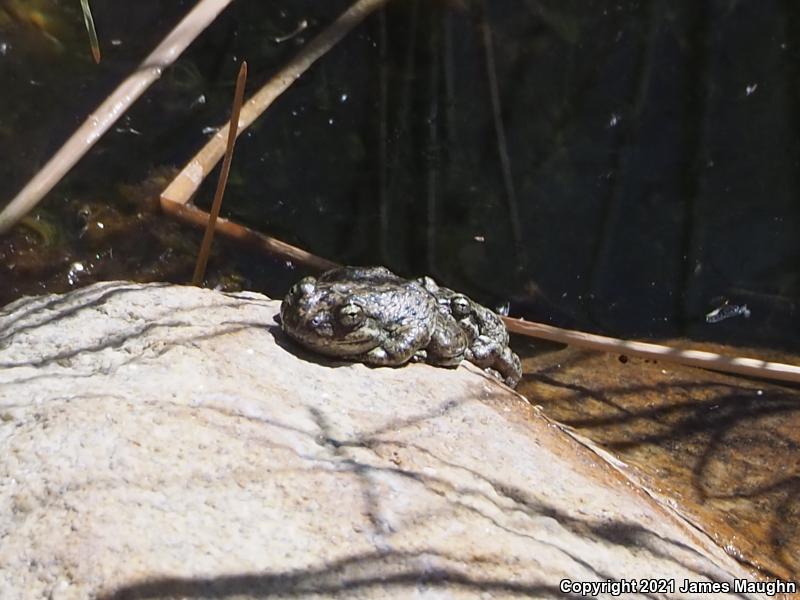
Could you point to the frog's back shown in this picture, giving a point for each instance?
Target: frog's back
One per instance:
(365, 276)
(382, 294)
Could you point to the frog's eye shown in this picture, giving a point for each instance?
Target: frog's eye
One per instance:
(460, 306)
(351, 315)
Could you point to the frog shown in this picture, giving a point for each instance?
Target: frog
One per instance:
(371, 315)
(487, 336)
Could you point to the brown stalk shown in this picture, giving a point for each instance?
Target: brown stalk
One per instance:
(695, 358)
(189, 213)
(208, 236)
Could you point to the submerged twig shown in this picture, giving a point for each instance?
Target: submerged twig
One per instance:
(205, 247)
(189, 213)
(502, 143)
(204, 12)
(433, 158)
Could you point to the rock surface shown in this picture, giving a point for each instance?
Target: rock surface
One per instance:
(161, 441)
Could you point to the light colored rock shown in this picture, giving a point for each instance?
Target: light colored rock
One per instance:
(162, 441)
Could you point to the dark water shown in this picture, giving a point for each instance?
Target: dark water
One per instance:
(638, 168)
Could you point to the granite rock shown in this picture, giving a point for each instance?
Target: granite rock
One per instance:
(159, 441)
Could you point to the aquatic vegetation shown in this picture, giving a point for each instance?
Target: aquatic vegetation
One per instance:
(45, 226)
(36, 16)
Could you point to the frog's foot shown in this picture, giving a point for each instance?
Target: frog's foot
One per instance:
(494, 373)
(511, 368)
(380, 357)
(445, 359)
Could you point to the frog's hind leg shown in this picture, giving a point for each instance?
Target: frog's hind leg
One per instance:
(496, 358)
(509, 366)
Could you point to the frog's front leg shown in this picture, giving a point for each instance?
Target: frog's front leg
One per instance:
(400, 346)
(448, 343)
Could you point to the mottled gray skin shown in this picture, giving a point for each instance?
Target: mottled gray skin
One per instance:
(369, 314)
(487, 336)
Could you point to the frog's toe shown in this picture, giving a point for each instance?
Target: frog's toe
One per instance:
(380, 357)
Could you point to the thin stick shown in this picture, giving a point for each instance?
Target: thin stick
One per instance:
(189, 213)
(89, 22)
(110, 110)
(208, 236)
(695, 358)
(183, 187)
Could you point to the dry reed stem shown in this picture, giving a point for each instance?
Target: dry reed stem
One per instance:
(695, 358)
(110, 110)
(91, 30)
(208, 236)
(189, 213)
(183, 187)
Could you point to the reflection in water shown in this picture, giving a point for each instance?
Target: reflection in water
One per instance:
(724, 450)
